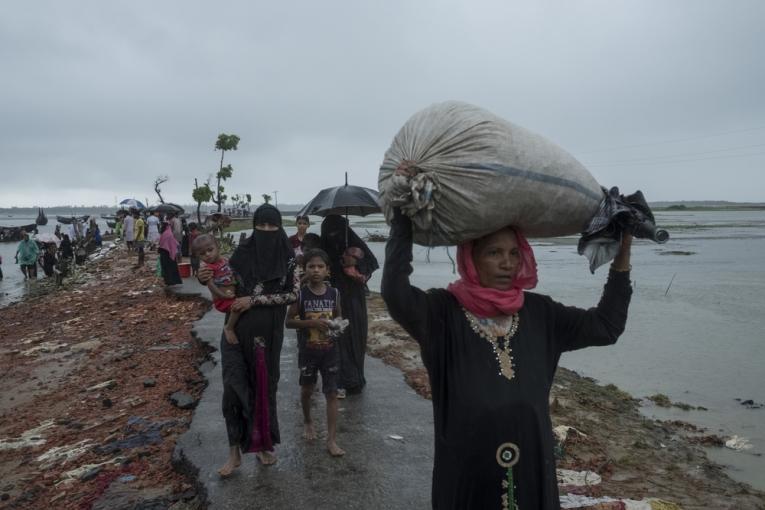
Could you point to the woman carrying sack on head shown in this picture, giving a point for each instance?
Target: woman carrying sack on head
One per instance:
(491, 351)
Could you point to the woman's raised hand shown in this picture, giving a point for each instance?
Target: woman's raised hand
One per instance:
(622, 260)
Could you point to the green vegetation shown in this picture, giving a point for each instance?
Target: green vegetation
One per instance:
(238, 224)
(696, 208)
(224, 143)
(662, 400)
(201, 195)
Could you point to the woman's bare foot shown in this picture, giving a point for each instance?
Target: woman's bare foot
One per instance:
(335, 450)
(230, 336)
(308, 432)
(234, 461)
(266, 458)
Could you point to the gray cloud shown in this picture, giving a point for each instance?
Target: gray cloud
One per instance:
(97, 99)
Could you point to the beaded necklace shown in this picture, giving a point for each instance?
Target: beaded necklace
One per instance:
(498, 333)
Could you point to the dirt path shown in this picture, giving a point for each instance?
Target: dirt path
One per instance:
(85, 415)
(634, 457)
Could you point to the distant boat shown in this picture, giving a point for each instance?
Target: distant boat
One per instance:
(41, 218)
(10, 234)
(68, 220)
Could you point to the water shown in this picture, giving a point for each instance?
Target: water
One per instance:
(702, 342)
(13, 286)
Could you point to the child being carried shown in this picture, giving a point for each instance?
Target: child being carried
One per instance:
(350, 261)
(223, 283)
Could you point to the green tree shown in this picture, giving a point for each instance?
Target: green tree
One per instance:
(224, 143)
(201, 194)
(266, 197)
(242, 201)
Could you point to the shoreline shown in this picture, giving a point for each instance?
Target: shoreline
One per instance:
(600, 430)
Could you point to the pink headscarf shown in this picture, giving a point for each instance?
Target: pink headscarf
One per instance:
(167, 242)
(487, 302)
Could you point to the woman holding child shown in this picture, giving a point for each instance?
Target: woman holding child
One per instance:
(266, 283)
(491, 351)
(349, 275)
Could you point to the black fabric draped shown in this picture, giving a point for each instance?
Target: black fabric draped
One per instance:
(170, 273)
(476, 410)
(265, 262)
(266, 322)
(353, 342)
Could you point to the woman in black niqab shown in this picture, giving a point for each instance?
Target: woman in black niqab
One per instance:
(353, 342)
(266, 283)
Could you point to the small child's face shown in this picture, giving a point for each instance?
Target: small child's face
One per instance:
(316, 269)
(208, 251)
(349, 260)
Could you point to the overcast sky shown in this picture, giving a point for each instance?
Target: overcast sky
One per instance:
(99, 98)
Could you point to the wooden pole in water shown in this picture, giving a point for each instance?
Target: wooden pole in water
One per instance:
(670, 284)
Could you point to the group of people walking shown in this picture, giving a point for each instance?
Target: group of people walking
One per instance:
(55, 254)
(168, 234)
(491, 348)
(307, 274)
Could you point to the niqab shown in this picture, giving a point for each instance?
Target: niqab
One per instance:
(265, 255)
(333, 232)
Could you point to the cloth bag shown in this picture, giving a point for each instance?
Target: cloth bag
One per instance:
(460, 172)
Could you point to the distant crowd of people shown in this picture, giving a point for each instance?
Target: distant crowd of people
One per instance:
(55, 253)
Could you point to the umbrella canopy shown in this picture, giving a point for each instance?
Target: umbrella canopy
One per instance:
(167, 208)
(347, 200)
(132, 203)
(47, 238)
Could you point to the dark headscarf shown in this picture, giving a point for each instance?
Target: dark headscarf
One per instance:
(264, 256)
(66, 248)
(333, 232)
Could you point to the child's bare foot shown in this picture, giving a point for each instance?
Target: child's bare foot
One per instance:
(335, 450)
(308, 432)
(266, 458)
(230, 336)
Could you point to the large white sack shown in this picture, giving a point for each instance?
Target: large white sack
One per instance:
(477, 173)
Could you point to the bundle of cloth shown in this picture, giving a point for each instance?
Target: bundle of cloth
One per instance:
(460, 172)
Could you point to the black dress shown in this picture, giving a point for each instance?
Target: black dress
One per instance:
(263, 322)
(352, 343)
(482, 419)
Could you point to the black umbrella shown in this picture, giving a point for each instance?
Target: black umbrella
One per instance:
(167, 208)
(346, 199)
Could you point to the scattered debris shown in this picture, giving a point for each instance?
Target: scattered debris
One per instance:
(738, 443)
(30, 438)
(84, 366)
(183, 400)
(103, 386)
